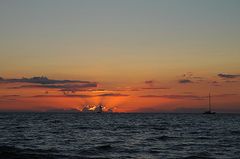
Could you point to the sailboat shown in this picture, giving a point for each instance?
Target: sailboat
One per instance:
(209, 106)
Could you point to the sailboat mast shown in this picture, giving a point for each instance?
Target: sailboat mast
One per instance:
(209, 102)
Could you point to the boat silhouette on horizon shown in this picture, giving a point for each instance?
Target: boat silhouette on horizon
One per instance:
(209, 106)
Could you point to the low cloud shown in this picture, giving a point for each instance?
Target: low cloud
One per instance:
(187, 96)
(81, 95)
(228, 76)
(88, 87)
(39, 80)
(225, 95)
(184, 81)
(64, 88)
(231, 81)
(7, 100)
(10, 96)
(189, 77)
(65, 95)
(215, 83)
(155, 88)
(175, 96)
(113, 95)
(44, 82)
(149, 82)
(152, 85)
(75, 88)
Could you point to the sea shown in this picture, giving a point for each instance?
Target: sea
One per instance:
(119, 135)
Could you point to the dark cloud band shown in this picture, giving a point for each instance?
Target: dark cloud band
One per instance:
(227, 76)
(40, 80)
(185, 81)
(82, 95)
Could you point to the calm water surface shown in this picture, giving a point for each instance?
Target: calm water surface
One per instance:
(78, 135)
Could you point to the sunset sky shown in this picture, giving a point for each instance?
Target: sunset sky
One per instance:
(130, 55)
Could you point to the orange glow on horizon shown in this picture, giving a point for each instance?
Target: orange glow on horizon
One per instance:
(143, 97)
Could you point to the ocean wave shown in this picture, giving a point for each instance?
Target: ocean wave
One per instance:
(74, 136)
(10, 152)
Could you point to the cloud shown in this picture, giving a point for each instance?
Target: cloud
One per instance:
(44, 82)
(10, 96)
(152, 85)
(228, 76)
(190, 78)
(194, 97)
(231, 81)
(81, 95)
(7, 100)
(184, 81)
(187, 92)
(187, 75)
(61, 87)
(155, 88)
(214, 83)
(187, 96)
(113, 95)
(149, 82)
(90, 90)
(65, 95)
(39, 80)
(74, 88)
(126, 89)
(225, 95)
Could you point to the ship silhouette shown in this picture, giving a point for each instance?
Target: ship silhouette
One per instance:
(209, 106)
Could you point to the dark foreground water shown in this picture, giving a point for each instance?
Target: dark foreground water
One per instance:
(77, 135)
